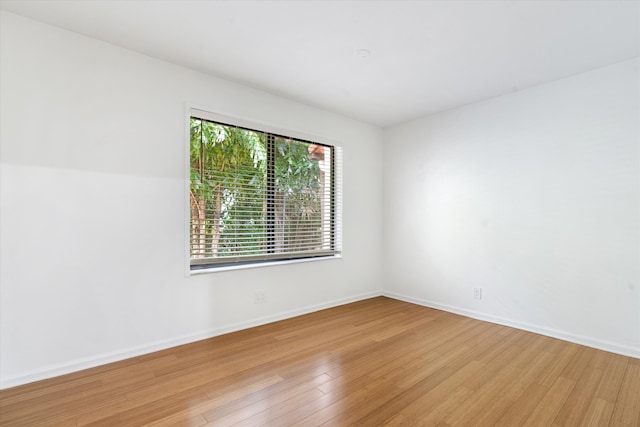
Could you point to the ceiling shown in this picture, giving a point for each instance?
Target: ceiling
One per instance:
(425, 56)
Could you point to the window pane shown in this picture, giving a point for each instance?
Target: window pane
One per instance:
(228, 177)
(300, 186)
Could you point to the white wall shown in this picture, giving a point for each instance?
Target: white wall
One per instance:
(532, 196)
(92, 207)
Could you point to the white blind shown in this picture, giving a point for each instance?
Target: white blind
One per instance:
(258, 196)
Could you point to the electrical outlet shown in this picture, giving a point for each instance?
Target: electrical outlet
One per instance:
(477, 293)
(259, 297)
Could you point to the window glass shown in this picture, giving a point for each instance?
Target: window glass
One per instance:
(257, 196)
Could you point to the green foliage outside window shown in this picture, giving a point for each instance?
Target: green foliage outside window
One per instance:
(236, 210)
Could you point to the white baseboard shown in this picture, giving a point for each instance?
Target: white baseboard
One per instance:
(103, 359)
(562, 335)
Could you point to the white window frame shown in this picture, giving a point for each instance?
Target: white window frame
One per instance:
(207, 114)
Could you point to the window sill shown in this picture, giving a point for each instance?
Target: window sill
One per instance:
(259, 265)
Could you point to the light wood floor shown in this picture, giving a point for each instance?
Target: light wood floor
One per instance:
(370, 363)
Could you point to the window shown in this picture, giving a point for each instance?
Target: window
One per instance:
(258, 196)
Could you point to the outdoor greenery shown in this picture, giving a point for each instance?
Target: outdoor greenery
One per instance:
(236, 210)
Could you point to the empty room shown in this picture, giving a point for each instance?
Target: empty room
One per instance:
(305, 213)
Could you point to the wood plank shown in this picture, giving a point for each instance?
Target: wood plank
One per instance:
(551, 403)
(626, 411)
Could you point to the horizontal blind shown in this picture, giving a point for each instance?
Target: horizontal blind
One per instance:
(257, 196)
